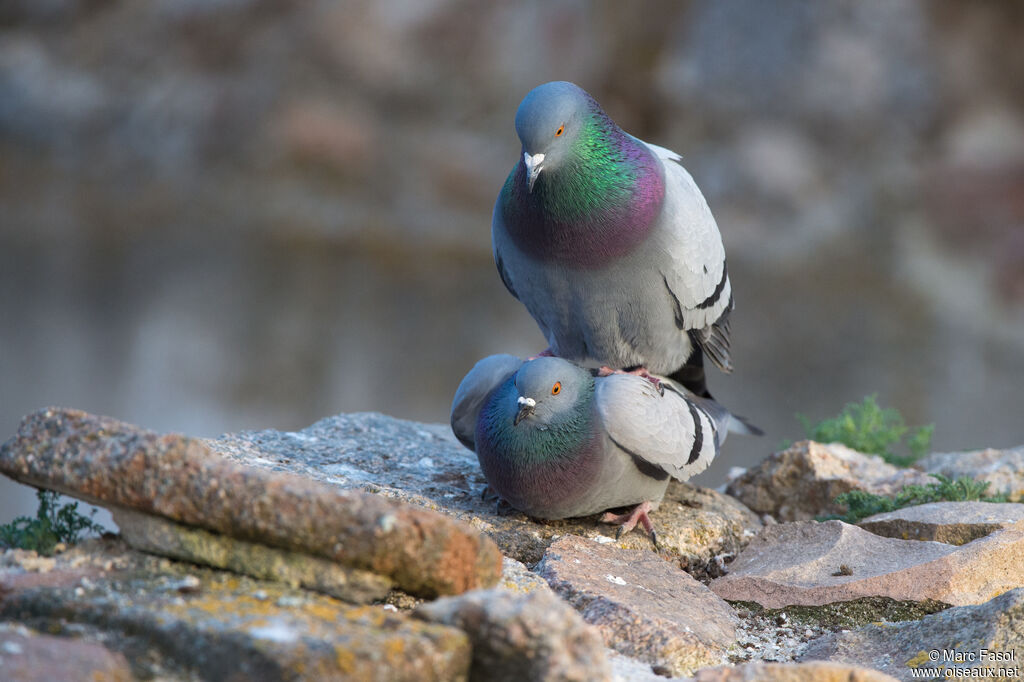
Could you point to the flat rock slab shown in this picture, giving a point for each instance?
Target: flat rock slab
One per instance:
(27, 656)
(157, 535)
(111, 463)
(645, 607)
(1003, 469)
(423, 464)
(178, 621)
(988, 638)
(809, 563)
(802, 481)
(515, 637)
(954, 523)
(791, 672)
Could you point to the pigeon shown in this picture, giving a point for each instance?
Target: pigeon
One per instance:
(610, 245)
(557, 440)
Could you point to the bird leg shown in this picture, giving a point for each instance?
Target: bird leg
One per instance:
(488, 493)
(628, 521)
(501, 506)
(546, 353)
(641, 371)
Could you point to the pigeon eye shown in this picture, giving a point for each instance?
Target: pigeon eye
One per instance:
(557, 388)
(561, 129)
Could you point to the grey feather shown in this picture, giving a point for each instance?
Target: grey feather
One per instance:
(643, 436)
(485, 376)
(621, 315)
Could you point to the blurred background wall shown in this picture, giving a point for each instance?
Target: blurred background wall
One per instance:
(229, 214)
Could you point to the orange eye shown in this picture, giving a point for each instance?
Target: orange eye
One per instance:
(557, 388)
(561, 129)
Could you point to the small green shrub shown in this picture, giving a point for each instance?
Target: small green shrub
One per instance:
(866, 427)
(860, 504)
(51, 526)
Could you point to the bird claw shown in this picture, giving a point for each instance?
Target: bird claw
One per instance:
(546, 353)
(629, 520)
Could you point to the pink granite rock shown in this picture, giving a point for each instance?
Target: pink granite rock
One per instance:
(644, 606)
(803, 481)
(810, 563)
(954, 523)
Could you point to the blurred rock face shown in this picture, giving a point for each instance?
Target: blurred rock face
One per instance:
(224, 215)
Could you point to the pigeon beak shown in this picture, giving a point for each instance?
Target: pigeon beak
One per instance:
(526, 408)
(533, 168)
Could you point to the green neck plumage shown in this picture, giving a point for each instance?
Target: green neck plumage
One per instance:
(534, 443)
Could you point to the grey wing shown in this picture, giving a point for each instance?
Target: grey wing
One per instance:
(673, 432)
(485, 376)
(497, 244)
(695, 276)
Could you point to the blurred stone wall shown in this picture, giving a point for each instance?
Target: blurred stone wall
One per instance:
(228, 214)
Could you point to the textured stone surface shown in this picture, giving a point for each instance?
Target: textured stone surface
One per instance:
(516, 577)
(106, 461)
(954, 523)
(157, 535)
(802, 564)
(1004, 469)
(423, 464)
(184, 622)
(517, 637)
(902, 649)
(791, 672)
(801, 482)
(645, 607)
(27, 656)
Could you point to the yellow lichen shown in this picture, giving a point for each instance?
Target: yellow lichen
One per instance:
(919, 659)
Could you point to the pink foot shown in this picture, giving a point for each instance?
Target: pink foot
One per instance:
(639, 371)
(546, 353)
(628, 521)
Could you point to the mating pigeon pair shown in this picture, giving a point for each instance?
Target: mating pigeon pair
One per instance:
(613, 250)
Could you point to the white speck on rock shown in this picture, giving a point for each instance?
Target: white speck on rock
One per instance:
(298, 435)
(12, 648)
(602, 540)
(615, 579)
(426, 462)
(387, 522)
(275, 632)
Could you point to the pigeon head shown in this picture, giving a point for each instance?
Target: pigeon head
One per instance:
(548, 123)
(583, 192)
(549, 391)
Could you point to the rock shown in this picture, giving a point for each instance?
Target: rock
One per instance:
(983, 638)
(790, 672)
(157, 535)
(534, 636)
(1004, 469)
(802, 564)
(179, 621)
(645, 607)
(104, 461)
(423, 464)
(802, 481)
(516, 577)
(27, 656)
(954, 523)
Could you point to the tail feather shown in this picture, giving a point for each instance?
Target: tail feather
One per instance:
(692, 377)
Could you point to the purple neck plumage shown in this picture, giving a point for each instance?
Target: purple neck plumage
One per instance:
(595, 207)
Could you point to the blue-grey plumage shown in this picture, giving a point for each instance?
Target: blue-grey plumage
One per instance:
(609, 243)
(556, 441)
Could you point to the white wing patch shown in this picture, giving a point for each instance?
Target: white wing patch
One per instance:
(696, 277)
(668, 431)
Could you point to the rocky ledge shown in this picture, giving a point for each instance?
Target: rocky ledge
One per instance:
(360, 548)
